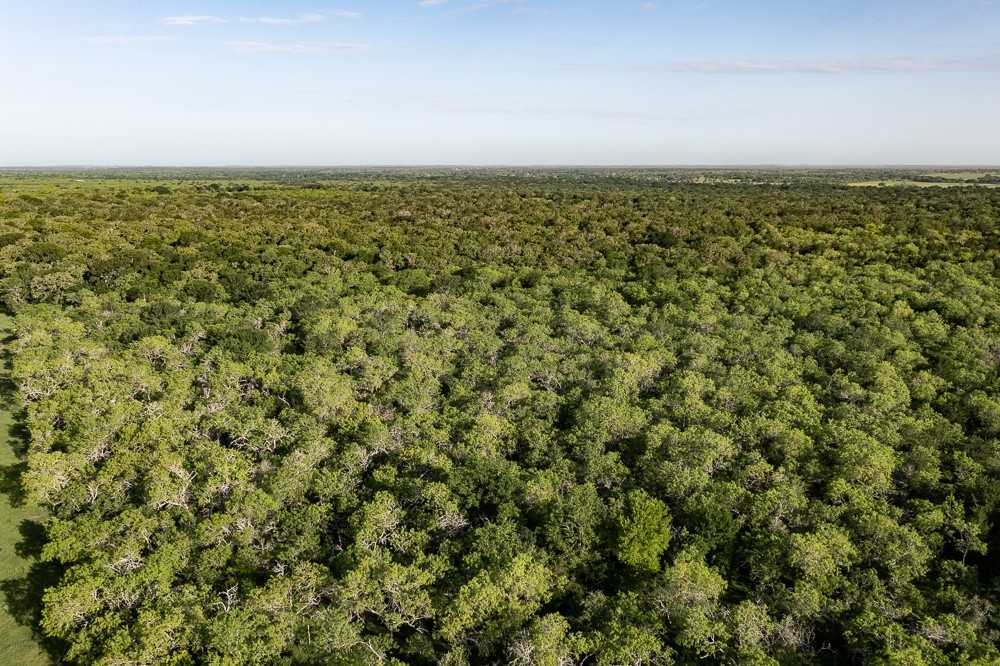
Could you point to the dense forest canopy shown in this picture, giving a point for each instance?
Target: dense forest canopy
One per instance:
(388, 419)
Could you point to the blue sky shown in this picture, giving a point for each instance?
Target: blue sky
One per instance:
(200, 82)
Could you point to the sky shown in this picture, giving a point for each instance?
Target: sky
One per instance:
(499, 82)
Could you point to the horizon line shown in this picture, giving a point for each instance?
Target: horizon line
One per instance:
(459, 165)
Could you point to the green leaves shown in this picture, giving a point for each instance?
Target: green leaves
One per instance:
(497, 602)
(643, 531)
(688, 596)
(532, 421)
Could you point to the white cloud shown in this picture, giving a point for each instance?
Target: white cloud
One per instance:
(489, 4)
(122, 40)
(301, 19)
(191, 20)
(431, 3)
(295, 48)
(298, 20)
(648, 6)
(829, 66)
(895, 65)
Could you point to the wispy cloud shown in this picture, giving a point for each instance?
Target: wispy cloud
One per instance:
(298, 20)
(833, 66)
(295, 48)
(432, 3)
(191, 20)
(448, 106)
(301, 19)
(648, 6)
(488, 4)
(898, 65)
(567, 112)
(123, 40)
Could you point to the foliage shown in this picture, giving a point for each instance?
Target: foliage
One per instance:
(387, 419)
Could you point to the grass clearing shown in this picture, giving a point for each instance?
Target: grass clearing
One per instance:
(915, 183)
(961, 175)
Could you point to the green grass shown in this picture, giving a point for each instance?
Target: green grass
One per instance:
(962, 175)
(915, 183)
(20, 530)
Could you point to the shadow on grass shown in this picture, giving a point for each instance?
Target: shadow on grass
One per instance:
(12, 474)
(23, 596)
(10, 483)
(19, 435)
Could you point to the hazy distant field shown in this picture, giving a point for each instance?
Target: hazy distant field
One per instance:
(963, 175)
(946, 178)
(915, 183)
